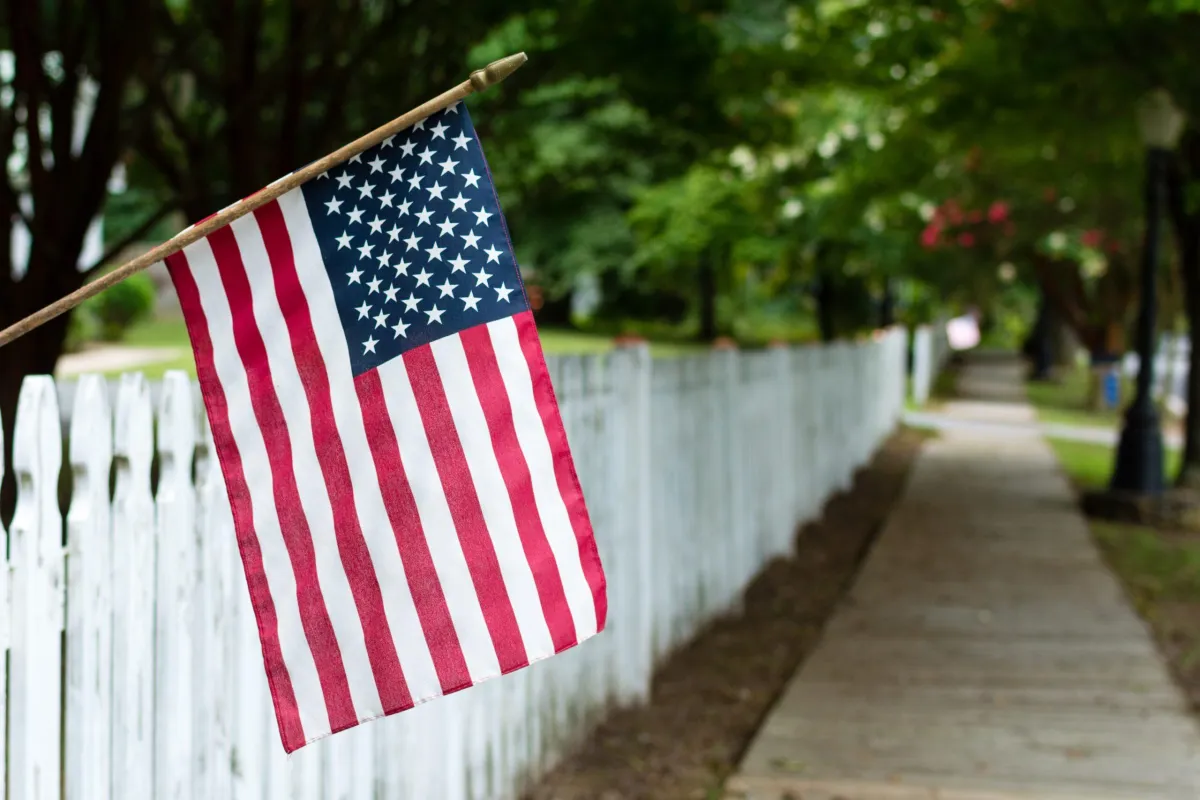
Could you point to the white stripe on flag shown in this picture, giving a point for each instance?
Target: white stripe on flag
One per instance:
(476, 442)
(281, 582)
(531, 433)
(314, 494)
(415, 658)
(444, 548)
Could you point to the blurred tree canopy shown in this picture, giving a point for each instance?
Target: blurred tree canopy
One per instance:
(754, 168)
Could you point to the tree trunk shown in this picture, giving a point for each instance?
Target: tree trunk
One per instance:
(1189, 267)
(1040, 345)
(707, 287)
(887, 305)
(826, 296)
(1187, 234)
(555, 313)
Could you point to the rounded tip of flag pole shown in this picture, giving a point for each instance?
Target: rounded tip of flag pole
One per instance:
(497, 71)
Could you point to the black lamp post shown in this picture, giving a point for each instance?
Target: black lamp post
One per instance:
(1139, 467)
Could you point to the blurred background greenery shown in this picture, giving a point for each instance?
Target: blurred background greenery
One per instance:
(680, 170)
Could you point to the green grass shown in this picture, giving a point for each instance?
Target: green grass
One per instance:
(173, 333)
(1090, 465)
(1066, 402)
(1155, 566)
(157, 333)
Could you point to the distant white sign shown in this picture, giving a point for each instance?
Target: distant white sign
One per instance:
(963, 332)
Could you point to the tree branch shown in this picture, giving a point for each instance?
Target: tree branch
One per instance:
(28, 83)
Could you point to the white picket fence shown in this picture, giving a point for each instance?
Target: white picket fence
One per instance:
(930, 352)
(134, 663)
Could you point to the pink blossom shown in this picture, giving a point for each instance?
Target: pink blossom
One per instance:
(966, 239)
(1092, 238)
(930, 236)
(998, 212)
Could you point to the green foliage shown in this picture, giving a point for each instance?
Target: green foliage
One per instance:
(126, 212)
(783, 146)
(678, 220)
(120, 306)
(82, 328)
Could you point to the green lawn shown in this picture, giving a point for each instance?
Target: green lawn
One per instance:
(173, 333)
(1066, 402)
(157, 333)
(1090, 465)
(1158, 566)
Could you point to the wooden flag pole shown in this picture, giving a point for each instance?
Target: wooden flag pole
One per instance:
(478, 81)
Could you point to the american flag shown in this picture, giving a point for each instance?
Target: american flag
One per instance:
(405, 502)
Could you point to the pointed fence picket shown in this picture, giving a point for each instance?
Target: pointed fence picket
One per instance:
(88, 755)
(133, 584)
(5, 626)
(134, 608)
(176, 571)
(37, 596)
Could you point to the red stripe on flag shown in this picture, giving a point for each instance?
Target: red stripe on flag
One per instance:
(497, 410)
(423, 582)
(564, 467)
(352, 546)
(282, 694)
(292, 522)
(459, 487)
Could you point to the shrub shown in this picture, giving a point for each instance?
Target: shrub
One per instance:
(122, 305)
(81, 329)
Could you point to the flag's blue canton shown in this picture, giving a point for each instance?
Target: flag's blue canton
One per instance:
(413, 240)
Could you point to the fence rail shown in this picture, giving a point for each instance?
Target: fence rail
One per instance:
(134, 666)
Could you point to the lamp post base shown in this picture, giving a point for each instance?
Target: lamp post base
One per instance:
(1139, 466)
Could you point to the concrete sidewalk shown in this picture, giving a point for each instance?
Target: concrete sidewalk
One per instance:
(985, 652)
